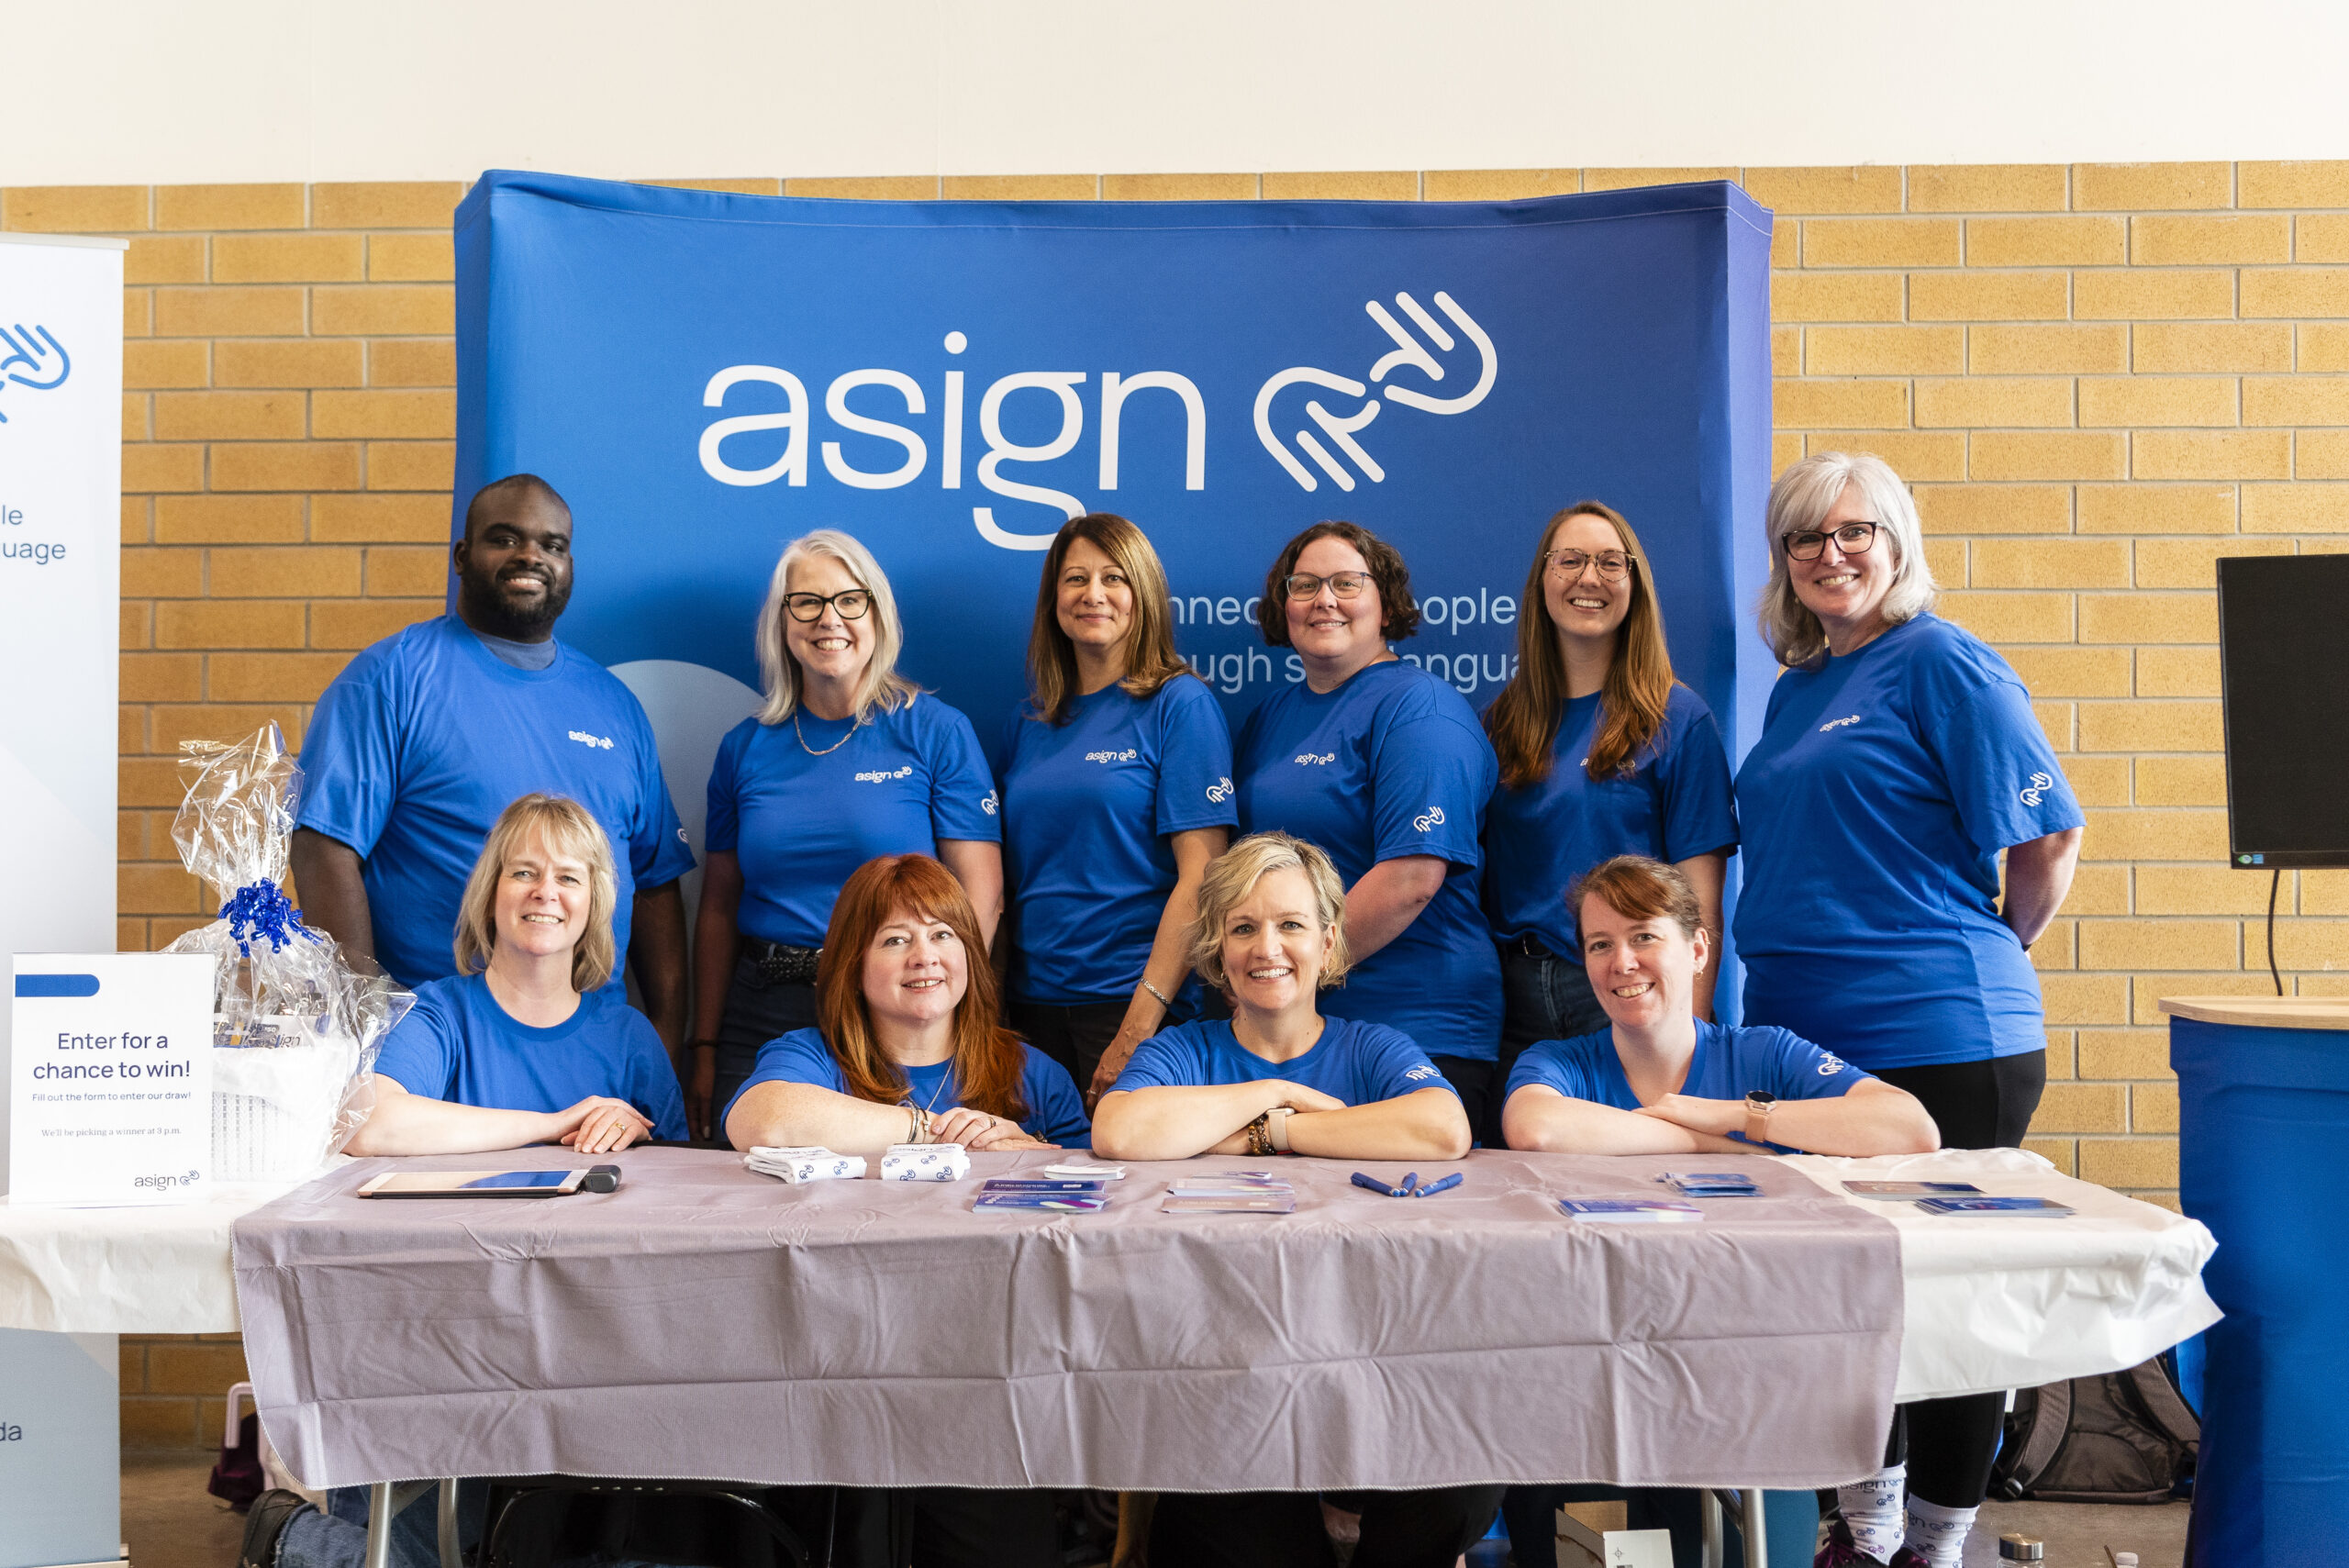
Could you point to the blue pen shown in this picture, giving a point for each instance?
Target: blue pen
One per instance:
(1445, 1185)
(1372, 1183)
(1410, 1183)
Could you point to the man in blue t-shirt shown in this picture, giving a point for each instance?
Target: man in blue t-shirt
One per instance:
(427, 735)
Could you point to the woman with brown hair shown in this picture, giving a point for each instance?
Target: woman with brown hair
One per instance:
(1602, 754)
(906, 1048)
(1116, 793)
(1382, 765)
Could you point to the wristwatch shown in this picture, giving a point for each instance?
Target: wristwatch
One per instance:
(1277, 1128)
(1759, 1104)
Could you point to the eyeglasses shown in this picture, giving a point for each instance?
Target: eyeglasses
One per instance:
(852, 603)
(1614, 565)
(1344, 584)
(1851, 538)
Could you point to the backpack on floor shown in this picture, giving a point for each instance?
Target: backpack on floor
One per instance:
(2126, 1436)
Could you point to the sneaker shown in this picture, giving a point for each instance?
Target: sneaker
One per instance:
(1839, 1553)
(265, 1523)
(1907, 1557)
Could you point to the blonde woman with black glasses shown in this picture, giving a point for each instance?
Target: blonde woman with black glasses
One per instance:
(847, 761)
(1116, 793)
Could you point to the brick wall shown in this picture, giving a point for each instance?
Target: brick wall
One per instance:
(2099, 377)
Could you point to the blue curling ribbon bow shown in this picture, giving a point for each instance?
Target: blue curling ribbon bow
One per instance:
(261, 910)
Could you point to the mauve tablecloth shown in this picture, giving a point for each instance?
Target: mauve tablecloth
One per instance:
(705, 1321)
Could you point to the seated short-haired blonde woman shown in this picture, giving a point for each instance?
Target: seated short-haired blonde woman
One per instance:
(1277, 1076)
(521, 1046)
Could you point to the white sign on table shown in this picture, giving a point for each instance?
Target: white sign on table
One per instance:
(110, 1078)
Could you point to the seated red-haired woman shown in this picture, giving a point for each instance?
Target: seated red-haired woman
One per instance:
(906, 1049)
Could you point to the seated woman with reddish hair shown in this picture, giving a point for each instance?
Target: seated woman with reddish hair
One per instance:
(906, 1048)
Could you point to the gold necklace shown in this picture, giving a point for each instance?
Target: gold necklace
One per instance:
(829, 749)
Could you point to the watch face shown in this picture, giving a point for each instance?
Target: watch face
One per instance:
(1761, 1098)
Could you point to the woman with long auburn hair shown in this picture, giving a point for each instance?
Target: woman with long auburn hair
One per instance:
(906, 1048)
(1602, 754)
(1116, 793)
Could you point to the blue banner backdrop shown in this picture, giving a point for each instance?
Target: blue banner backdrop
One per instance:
(707, 376)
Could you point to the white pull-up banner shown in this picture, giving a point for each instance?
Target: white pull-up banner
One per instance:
(61, 588)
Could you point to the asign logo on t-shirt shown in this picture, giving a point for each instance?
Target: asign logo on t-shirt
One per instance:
(1219, 791)
(1433, 818)
(601, 742)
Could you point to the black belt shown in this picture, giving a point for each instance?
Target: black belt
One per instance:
(780, 963)
(1530, 946)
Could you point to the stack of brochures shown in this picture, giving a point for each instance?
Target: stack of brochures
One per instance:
(1067, 1195)
(1630, 1210)
(1909, 1190)
(2044, 1208)
(1710, 1183)
(1230, 1191)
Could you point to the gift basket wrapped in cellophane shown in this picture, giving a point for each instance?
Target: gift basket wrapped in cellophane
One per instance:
(295, 1028)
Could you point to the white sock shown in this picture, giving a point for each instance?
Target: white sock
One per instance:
(1871, 1509)
(1937, 1534)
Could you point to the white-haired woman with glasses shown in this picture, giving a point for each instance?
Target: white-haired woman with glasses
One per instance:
(846, 761)
(1900, 758)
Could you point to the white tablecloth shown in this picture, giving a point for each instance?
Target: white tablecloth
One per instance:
(1997, 1301)
(161, 1270)
(1991, 1303)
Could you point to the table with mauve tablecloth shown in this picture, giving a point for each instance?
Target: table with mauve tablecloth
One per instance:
(705, 1321)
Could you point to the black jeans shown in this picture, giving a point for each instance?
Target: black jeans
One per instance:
(1949, 1444)
(1073, 1034)
(927, 1526)
(1544, 995)
(1478, 1089)
(1427, 1528)
(757, 1010)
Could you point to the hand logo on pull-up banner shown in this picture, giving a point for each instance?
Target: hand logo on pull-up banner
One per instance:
(27, 361)
(1408, 352)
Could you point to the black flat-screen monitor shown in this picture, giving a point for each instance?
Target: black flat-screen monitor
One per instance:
(2284, 680)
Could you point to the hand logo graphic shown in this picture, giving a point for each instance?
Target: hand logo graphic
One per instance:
(24, 363)
(1408, 353)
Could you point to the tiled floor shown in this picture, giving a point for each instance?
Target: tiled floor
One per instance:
(170, 1522)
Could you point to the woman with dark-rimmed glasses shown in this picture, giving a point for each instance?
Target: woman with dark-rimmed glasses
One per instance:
(1602, 754)
(1899, 759)
(847, 761)
(1384, 766)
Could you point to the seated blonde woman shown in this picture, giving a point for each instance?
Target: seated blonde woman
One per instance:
(521, 1046)
(906, 1049)
(1663, 1081)
(1278, 1076)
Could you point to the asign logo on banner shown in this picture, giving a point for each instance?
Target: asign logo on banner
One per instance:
(791, 467)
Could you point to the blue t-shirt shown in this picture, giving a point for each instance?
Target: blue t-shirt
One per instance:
(1358, 1062)
(1729, 1065)
(1088, 809)
(1873, 808)
(1675, 806)
(802, 824)
(1391, 763)
(425, 737)
(1055, 1110)
(458, 1044)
